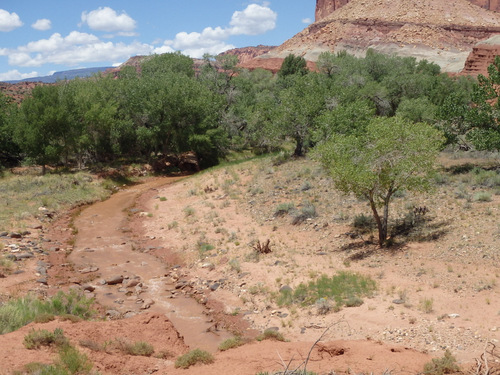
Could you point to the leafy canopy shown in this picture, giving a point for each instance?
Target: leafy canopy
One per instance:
(393, 154)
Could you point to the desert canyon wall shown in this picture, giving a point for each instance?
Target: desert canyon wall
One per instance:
(326, 7)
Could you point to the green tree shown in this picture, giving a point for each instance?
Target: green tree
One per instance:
(484, 114)
(350, 118)
(9, 151)
(293, 65)
(300, 104)
(42, 129)
(168, 62)
(417, 110)
(392, 155)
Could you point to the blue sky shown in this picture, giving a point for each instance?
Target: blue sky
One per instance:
(39, 37)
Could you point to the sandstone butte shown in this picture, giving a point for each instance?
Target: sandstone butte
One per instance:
(461, 36)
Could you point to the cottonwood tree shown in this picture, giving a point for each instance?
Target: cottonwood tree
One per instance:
(484, 114)
(393, 154)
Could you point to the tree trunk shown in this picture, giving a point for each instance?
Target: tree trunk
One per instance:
(44, 169)
(299, 147)
(381, 222)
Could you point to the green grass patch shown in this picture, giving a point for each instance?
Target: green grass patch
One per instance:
(345, 288)
(231, 343)
(194, 357)
(22, 195)
(18, 312)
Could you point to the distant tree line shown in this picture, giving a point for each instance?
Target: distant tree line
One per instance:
(168, 107)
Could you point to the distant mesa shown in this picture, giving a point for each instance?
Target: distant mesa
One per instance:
(67, 74)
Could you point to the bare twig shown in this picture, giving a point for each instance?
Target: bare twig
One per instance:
(312, 347)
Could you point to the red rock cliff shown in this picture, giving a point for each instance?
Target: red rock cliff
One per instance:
(327, 7)
(482, 56)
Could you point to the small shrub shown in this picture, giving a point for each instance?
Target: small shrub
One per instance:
(173, 224)
(231, 343)
(482, 196)
(189, 211)
(74, 361)
(364, 223)
(486, 178)
(270, 334)
(163, 199)
(92, 345)
(234, 264)
(353, 301)
(284, 209)
(307, 211)
(441, 179)
(140, 348)
(164, 354)
(193, 357)
(440, 366)
(427, 305)
(70, 318)
(203, 248)
(37, 338)
(44, 318)
(323, 306)
(306, 186)
(6, 264)
(281, 158)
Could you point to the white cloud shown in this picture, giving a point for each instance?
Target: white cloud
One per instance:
(79, 48)
(307, 21)
(42, 24)
(14, 75)
(163, 49)
(72, 50)
(254, 20)
(106, 19)
(9, 21)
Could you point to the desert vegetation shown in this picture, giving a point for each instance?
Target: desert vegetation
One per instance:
(168, 108)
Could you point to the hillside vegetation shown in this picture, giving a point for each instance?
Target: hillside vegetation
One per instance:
(165, 108)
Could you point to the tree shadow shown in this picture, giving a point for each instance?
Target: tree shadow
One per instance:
(422, 230)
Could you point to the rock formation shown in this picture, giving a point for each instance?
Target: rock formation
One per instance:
(248, 53)
(482, 56)
(326, 7)
(440, 31)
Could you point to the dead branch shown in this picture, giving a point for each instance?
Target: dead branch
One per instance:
(263, 248)
(483, 364)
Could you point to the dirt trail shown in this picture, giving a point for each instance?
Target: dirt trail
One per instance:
(103, 246)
